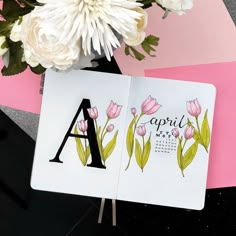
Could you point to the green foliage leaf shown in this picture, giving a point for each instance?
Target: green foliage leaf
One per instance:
(38, 69)
(87, 152)
(16, 65)
(110, 147)
(146, 152)
(12, 10)
(100, 147)
(148, 42)
(130, 137)
(5, 28)
(147, 3)
(80, 148)
(179, 154)
(189, 155)
(205, 131)
(138, 153)
(196, 136)
(139, 56)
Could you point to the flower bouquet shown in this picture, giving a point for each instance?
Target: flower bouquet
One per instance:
(70, 34)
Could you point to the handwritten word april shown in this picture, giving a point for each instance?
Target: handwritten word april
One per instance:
(167, 121)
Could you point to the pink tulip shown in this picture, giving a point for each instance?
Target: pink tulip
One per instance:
(93, 112)
(133, 111)
(83, 125)
(193, 107)
(113, 110)
(175, 132)
(150, 106)
(141, 130)
(188, 132)
(110, 128)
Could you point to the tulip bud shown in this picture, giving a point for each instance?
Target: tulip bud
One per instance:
(93, 112)
(110, 128)
(141, 130)
(188, 132)
(175, 132)
(133, 111)
(150, 106)
(83, 125)
(193, 108)
(113, 110)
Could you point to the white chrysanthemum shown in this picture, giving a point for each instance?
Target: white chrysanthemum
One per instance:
(91, 21)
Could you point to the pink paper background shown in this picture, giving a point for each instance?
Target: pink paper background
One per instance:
(21, 91)
(222, 165)
(205, 34)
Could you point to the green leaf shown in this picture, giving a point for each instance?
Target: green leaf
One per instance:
(127, 53)
(5, 28)
(87, 152)
(110, 147)
(38, 69)
(147, 3)
(148, 42)
(196, 136)
(179, 154)
(130, 136)
(12, 10)
(146, 152)
(205, 131)
(138, 153)
(139, 56)
(80, 148)
(189, 155)
(100, 147)
(16, 65)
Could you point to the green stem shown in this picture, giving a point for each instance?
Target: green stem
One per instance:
(198, 127)
(185, 141)
(103, 130)
(182, 172)
(96, 125)
(85, 147)
(142, 154)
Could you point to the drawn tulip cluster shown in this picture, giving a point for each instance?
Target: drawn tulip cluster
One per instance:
(193, 132)
(142, 151)
(83, 150)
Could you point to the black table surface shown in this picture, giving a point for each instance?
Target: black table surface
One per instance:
(27, 212)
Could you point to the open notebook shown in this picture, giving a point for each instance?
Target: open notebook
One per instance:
(129, 138)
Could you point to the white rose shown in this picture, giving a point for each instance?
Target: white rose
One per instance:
(178, 6)
(3, 49)
(137, 37)
(40, 36)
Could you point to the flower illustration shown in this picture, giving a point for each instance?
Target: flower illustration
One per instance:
(93, 113)
(150, 106)
(141, 130)
(110, 128)
(193, 107)
(83, 125)
(188, 132)
(106, 145)
(113, 110)
(133, 111)
(175, 132)
(192, 133)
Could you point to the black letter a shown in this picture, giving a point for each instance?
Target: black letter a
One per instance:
(91, 136)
